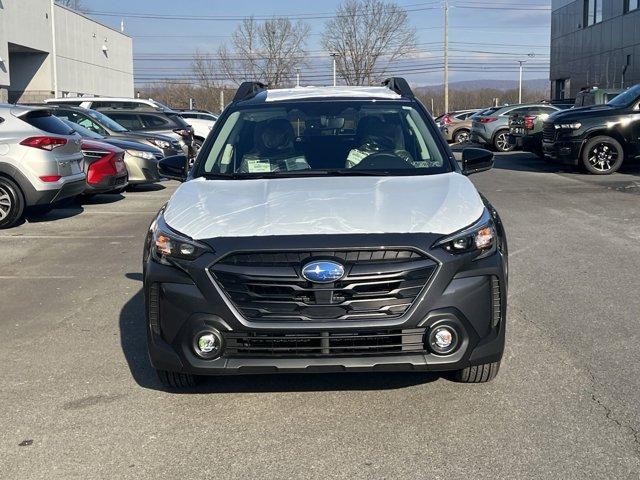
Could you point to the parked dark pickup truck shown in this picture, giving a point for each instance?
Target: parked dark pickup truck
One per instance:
(600, 137)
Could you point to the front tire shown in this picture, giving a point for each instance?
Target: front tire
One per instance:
(176, 380)
(11, 203)
(501, 141)
(602, 155)
(477, 373)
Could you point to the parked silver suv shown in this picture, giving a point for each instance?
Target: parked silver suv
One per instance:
(491, 126)
(40, 161)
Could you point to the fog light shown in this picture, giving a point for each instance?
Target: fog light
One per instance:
(443, 340)
(208, 344)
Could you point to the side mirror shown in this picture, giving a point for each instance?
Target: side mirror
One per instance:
(476, 160)
(173, 167)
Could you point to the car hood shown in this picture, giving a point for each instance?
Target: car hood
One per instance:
(205, 209)
(593, 111)
(131, 145)
(142, 136)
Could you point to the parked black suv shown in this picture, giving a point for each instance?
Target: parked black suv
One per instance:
(326, 230)
(600, 137)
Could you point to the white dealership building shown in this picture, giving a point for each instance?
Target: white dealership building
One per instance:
(47, 50)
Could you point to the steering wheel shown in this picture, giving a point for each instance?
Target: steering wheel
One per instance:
(382, 161)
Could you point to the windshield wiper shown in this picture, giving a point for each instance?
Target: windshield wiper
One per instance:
(301, 173)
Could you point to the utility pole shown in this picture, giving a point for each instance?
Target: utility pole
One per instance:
(334, 55)
(221, 99)
(521, 62)
(54, 50)
(298, 77)
(446, 56)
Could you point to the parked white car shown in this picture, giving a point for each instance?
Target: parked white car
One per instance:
(202, 123)
(98, 103)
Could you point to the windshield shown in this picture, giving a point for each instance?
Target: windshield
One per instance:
(106, 121)
(626, 99)
(310, 138)
(84, 132)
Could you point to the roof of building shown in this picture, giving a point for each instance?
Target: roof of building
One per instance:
(301, 93)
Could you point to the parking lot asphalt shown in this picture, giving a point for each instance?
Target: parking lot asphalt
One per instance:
(79, 399)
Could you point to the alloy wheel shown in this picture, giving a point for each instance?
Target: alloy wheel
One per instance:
(462, 137)
(602, 156)
(5, 203)
(502, 142)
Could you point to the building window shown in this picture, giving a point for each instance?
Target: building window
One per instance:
(631, 5)
(561, 86)
(593, 12)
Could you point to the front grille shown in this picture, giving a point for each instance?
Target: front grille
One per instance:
(548, 132)
(318, 344)
(378, 284)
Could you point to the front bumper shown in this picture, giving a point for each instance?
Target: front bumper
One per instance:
(142, 170)
(480, 136)
(563, 151)
(468, 294)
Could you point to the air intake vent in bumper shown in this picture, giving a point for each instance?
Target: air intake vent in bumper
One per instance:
(317, 344)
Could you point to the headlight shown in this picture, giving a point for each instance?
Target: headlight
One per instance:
(568, 126)
(167, 244)
(141, 154)
(159, 143)
(480, 237)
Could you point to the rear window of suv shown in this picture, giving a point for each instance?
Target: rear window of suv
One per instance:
(43, 120)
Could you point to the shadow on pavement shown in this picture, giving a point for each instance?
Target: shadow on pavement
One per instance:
(151, 187)
(100, 199)
(133, 341)
(58, 213)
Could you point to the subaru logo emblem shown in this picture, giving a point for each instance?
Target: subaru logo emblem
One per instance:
(323, 271)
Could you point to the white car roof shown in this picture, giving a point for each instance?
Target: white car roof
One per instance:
(299, 93)
(101, 99)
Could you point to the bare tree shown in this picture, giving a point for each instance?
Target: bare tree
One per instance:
(268, 51)
(205, 70)
(73, 4)
(368, 36)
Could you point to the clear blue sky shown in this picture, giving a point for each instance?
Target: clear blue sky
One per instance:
(488, 33)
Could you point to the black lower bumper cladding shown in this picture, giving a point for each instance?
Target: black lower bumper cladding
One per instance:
(395, 291)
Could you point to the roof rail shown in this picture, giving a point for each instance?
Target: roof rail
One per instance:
(248, 90)
(398, 85)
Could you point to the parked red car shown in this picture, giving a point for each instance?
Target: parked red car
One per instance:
(104, 166)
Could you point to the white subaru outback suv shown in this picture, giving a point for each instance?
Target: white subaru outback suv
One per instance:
(326, 230)
(40, 161)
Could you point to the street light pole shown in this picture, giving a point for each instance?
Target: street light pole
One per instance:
(521, 62)
(335, 78)
(446, 56)
(298, 77)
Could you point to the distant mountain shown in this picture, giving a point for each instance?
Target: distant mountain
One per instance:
(504, 85)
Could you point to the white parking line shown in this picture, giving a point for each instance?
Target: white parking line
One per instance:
(39, 277)
(107, 212)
